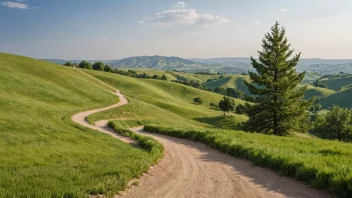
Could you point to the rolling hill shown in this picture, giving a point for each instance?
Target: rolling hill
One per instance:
(47, 155)
(44, 154)
(337, 81)
(237, 82)
(233, 81)
(342, 99)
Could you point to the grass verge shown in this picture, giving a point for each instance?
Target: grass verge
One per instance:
(152, 146)
(320, 163)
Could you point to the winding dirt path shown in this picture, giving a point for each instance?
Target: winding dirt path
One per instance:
(191, 169)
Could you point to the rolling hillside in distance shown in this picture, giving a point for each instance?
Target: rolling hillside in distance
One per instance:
(315, 67)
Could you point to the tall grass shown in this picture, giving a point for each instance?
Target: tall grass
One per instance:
(320, 163)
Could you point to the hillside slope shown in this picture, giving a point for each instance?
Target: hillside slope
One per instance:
(233, 81)
(342, 99)
(163, 102)
(336, 82)
(43, 153)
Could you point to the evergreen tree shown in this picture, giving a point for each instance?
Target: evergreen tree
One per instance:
(279, 108)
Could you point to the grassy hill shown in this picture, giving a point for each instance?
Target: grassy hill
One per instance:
(311, 77)
(342, 99)
(173, 75)
(164, 102)
(43, 153)
(318, 92)
(336, 82)
(233, 81)
(237, 81)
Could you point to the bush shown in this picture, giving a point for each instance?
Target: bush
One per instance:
(107, 68)
(241, 109)
(322, 164)
(98, 66)
(213, 105)
(163, 77)
(198, 100)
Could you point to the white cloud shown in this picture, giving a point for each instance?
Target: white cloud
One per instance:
(185, 16)
(257, 22)
(10, 4)
(181, 4)
(283, 9)
(103, 37)
(141, 22)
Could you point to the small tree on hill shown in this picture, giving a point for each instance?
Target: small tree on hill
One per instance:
(198, 100)
(107, 68)
(163, 77)
(98, 66)
(155, 76)
(227, 104)
(68, 64)
(85, 65)
(279, 108)
(240, 109)
(337, 124)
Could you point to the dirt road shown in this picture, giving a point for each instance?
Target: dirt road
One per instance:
(191, 169)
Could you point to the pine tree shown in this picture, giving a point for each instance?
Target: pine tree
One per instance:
(279, 108)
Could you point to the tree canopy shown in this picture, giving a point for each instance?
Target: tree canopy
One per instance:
(98, 66)
(227, 104)
(337, 124)
(279, 108)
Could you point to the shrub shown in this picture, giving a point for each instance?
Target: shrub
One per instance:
(213, 105)
(198, 100)
(163, 77)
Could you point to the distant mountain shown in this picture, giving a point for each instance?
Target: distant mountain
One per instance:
(314, 66)
(158, 62)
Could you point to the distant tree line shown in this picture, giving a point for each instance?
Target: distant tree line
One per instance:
(207, 73)
(100, 66)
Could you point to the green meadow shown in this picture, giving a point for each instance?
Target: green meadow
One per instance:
(43, 153)
(47, 155)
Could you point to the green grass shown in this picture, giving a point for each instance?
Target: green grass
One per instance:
(337, 81)
(237, 82)
(171, 75)
(318, 92)
(342, 99)
(320, 163)
(234, 81)
(43, 153)
(161, 102)
(311, 77)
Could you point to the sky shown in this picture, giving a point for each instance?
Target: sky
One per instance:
(114, 29)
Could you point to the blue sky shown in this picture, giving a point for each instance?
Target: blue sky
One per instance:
(113, 29)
